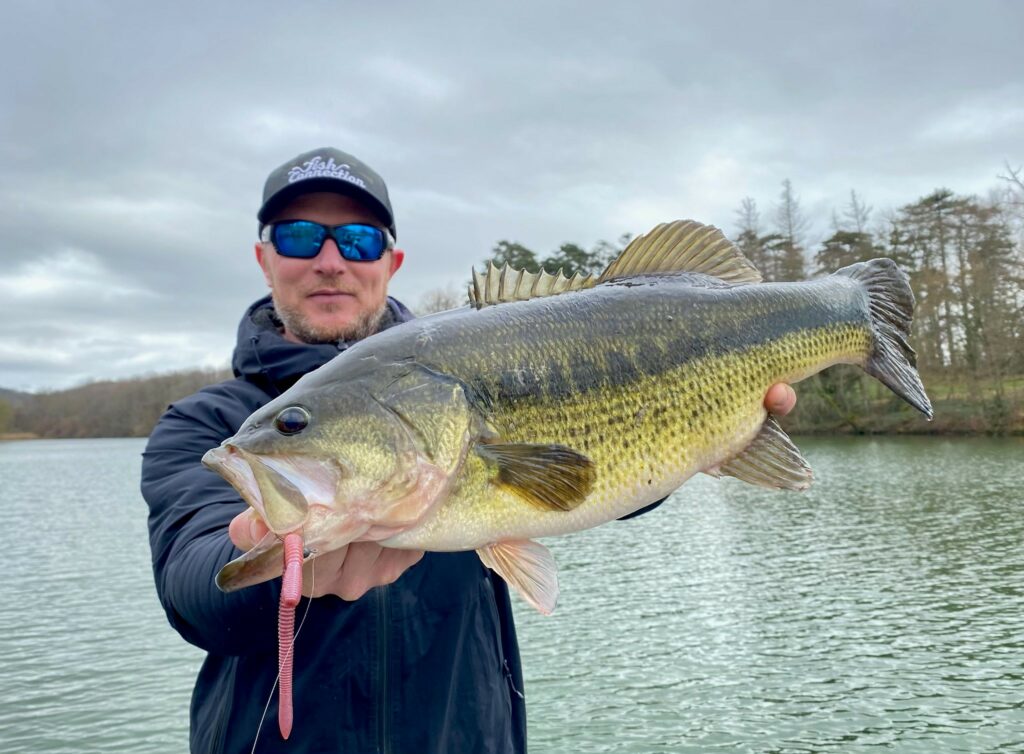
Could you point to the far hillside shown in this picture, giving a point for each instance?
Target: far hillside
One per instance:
(110, 408)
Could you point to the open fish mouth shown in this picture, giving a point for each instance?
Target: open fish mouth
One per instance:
(227, 461)
(281, 489)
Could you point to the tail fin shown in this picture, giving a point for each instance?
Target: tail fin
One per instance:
(891, 303)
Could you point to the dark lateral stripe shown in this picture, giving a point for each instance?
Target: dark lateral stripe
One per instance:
(519, 383)
(556, 385)
(618, 364)
(611, 335)
(704, 329)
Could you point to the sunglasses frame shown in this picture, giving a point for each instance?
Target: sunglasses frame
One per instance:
(267, 236)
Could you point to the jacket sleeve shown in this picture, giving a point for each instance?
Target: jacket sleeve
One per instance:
(190, 508)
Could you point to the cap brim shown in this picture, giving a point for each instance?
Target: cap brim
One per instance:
(278, 201)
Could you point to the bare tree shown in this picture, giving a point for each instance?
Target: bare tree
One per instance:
(748, 237)
(1015, 178)
(857, 213)
(440, 300)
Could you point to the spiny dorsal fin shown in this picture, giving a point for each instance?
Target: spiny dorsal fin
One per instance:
(496, 286)
(771, 460)
(683, 246)
(552, 477)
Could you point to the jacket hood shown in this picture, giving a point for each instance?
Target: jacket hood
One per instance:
(264, 356)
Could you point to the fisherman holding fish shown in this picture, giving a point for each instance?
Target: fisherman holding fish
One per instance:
(398, 650)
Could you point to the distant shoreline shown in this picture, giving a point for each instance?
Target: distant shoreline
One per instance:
(837, 403)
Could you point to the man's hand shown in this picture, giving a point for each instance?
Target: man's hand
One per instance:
(780, 400)
(349, 572)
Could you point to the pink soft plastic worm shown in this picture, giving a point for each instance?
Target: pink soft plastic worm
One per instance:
(291, 592)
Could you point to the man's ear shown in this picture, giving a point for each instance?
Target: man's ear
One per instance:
(262, 260)
(397, 257)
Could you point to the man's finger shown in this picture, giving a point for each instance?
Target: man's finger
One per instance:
(246, 529)
(780, 400)
(320, 575)
(358, 573)
(393, 563)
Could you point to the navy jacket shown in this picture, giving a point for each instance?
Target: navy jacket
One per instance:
(427, 664)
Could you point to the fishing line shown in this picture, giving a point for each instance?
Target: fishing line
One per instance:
(291, 647)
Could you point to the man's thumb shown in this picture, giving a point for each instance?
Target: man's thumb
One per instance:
(246, 529)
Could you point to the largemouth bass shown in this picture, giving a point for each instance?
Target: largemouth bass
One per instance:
(554, 405)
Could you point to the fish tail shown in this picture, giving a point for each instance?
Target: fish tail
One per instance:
(891, 304)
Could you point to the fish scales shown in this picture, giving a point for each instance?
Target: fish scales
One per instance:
(690, 366)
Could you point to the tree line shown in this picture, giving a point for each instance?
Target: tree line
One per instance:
(965, 259)
(108, 408)
(964, 255)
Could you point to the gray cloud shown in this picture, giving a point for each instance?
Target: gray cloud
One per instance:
(134, 140)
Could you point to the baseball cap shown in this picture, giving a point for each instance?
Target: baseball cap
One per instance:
(326, 169)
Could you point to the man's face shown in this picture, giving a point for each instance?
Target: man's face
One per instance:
(327, 298)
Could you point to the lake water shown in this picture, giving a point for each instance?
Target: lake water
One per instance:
(883, 609)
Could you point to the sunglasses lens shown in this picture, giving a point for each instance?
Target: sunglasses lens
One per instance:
(298, 238)
(360, 243)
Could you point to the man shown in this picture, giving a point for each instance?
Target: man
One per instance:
(423, 663)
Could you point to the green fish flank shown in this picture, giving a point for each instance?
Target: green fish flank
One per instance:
(650, 404)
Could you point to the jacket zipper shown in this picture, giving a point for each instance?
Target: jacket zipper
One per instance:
(384, 619)
(511, 681)
(506, 671)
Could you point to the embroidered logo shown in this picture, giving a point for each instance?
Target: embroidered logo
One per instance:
(317, 168)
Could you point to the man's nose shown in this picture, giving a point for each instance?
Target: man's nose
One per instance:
(329, 261)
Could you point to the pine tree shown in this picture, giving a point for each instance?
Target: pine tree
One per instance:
(788, 250)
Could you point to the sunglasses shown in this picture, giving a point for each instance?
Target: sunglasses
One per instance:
(303, 239)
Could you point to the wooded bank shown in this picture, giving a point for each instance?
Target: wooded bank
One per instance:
(839, 401)
(964, 255)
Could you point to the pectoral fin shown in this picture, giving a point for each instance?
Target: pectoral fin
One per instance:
(771, 460)
(550, 476)
(526, 566)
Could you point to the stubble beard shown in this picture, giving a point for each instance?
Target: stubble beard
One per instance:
(299, 326)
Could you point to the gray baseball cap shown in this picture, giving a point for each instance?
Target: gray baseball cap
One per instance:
(326, 169)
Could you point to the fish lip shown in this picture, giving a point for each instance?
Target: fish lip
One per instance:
(229, 461)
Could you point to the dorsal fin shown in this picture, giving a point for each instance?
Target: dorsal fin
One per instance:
(496, 286)
(683, 246)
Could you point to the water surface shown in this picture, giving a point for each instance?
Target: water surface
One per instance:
(883, 609)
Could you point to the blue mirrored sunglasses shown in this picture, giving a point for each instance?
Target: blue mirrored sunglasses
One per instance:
(304, 239)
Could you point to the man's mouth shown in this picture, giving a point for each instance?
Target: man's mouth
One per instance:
(328, 294)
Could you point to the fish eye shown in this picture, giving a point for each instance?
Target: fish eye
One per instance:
(291, 420)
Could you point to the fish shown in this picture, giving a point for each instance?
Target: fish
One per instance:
(554, 404)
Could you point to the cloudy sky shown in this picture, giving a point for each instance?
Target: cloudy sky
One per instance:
(135, 139)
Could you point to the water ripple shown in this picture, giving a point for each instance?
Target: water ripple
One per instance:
(884, 608)
(90, 664)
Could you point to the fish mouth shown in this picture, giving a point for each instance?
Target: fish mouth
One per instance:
(299, 494)
(227, 461)
(281, 489)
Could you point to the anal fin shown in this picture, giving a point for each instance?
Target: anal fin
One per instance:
(526, 566)
(770, 460)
